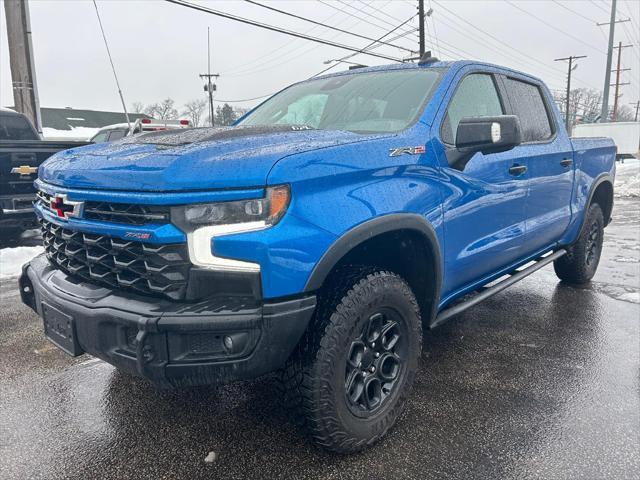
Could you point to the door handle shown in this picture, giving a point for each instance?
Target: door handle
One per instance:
(566, 162)
(517, 170)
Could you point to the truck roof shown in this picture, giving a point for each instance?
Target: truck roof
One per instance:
(436, 64)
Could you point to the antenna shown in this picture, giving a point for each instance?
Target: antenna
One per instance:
(426, 59)
(124, 106)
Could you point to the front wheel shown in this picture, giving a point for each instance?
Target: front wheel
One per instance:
(356, 364)
(580, 263)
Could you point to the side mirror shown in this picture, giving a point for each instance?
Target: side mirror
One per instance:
(486, 135)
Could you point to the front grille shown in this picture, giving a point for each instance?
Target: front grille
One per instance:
(159, 270)
(125, 213)
(131, 214)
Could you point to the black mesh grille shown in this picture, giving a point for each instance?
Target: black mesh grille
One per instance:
(130, 214)
(125, 213)
(159, 270)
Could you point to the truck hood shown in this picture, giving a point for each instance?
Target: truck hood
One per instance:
(195, 159)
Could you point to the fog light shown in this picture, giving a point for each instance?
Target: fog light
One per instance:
(228, 343)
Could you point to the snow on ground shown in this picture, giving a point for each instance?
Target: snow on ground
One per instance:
(80, 134)
(12, 259)
(628, 178)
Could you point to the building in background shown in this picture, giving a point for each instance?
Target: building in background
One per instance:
(71, 124)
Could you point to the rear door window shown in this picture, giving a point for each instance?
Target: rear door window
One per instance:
(476, 96)
(529, 106)
(16, 127)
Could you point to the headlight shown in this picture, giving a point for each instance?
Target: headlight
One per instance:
(268, 210)
(203, 222)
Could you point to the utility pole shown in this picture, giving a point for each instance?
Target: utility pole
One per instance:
(618, 84)
(604, 114)
(421, 26)
(23, 71)
(567, 116)
(209, 86)
(637, 104)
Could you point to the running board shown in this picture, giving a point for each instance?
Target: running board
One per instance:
(485, 292)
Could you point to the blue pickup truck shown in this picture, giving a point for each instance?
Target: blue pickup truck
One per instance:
(319, 237)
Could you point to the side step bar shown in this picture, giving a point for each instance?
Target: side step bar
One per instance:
(485, 292)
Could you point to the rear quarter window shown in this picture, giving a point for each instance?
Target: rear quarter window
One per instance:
(529, 106)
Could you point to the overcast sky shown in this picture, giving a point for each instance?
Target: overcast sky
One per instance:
(160, 48)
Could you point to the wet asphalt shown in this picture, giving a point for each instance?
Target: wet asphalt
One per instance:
(540, 381)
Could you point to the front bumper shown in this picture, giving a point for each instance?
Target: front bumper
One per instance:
(170, 343)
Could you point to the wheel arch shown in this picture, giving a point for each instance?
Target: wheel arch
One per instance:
(391, 234)
(602, 193)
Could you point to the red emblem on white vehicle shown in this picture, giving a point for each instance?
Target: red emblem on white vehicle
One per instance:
(65, 208)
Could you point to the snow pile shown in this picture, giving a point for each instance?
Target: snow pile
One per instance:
(81, 134)
(12, 259)
(628, 178)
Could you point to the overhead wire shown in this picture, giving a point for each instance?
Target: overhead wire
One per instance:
(301, 48)
(501, 45)
(364, 49)
(264, 59)
(283, 12)
(563, 32)
(276, 29)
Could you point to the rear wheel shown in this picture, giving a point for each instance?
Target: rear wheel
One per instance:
(580, 263)
(353, 372)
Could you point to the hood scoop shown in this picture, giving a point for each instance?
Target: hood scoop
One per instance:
(175, 138)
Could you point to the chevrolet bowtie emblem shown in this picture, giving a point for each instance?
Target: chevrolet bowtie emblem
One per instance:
(24, 170)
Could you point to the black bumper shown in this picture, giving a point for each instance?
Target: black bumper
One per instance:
(221, 339)
(16, 211)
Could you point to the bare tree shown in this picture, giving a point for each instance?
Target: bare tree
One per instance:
(584, 104)
(194, 110)
(625, 114)
(137, 107)
(163, 111)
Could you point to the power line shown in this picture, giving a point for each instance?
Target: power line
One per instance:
(501, 46)
(266, 26)
(574, 12)
(304, 52)
(252, 66)
(245, 99)
(435, 34)
(376, 9)
(600, 7)
(568, 121)
(364, 49)
(321, 24)
(351, 14)
(554, 27)
(263, 58)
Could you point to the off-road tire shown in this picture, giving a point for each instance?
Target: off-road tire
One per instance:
(314, 378)
(580, 263)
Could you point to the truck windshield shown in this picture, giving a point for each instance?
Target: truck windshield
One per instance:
(377, 102)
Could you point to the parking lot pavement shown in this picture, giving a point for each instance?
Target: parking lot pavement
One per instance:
(540, 381)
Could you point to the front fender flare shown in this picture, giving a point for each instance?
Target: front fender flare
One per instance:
(369, 229)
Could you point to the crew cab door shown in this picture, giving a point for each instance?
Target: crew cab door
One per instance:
(484, 209)
(550, 162)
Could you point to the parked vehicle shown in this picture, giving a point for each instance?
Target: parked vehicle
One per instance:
(142, 125)
(320, 236)
(626, 135)
(21, 152)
